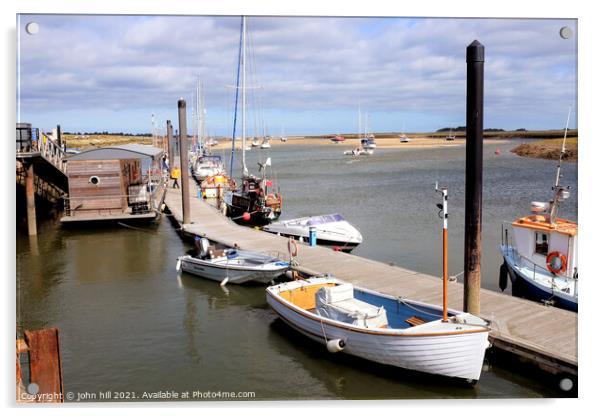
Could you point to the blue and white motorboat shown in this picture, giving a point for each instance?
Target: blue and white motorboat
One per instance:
(232, 265)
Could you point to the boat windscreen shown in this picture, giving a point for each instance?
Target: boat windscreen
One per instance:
(324, 219)
(210, 159)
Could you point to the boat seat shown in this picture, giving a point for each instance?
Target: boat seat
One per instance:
(338, 303)
(415, 321)
(214, 252)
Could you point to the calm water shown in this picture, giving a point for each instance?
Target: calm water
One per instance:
(128, 323)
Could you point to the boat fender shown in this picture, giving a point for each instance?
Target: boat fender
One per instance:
(223, 282)
(556, 262)
(503, 279)
(335, 345)
(179, 265)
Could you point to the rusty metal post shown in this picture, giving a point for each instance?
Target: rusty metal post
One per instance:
(184, 161)
(475, 62)
(30, 195)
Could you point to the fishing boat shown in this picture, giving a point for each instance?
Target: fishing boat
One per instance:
(331, 230)
(381, 328)
(255, 203)
(231, 265)
(540, 251)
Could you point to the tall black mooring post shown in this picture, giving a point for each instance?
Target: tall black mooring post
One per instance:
(184, 161)
(475, 62)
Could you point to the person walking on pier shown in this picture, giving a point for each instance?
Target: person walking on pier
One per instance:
(175, 175)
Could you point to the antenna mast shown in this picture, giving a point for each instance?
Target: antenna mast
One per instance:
(559, 191)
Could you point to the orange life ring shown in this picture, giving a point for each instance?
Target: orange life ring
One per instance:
(292, 243)
(553, 255)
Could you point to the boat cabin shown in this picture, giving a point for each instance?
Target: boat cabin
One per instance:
(117, 182)
(535, 238)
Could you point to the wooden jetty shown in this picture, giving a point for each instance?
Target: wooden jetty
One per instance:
(542, 335)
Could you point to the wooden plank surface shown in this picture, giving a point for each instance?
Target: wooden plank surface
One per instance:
(45, 363)
(519, 324)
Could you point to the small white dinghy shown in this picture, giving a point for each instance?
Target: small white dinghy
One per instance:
(332, 230)
(382, 328)
(237, 266)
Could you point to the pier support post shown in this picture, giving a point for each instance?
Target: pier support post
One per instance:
(30, 196)
(171, 147)
(184, 161)
(59, 136)
(475, 62)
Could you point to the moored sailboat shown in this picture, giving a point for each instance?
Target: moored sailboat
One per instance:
(255, 202)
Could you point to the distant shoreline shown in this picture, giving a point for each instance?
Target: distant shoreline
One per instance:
(382, 140)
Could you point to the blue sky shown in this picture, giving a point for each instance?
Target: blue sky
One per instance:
(95, 73)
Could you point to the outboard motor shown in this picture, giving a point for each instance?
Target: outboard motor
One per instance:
(202, 247)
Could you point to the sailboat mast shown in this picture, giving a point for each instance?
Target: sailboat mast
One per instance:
(359, 122)
(557, 188)
(244, 94)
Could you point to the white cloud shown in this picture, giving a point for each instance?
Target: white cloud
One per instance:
(319, 64)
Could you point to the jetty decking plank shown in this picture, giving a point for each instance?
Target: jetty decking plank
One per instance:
(546, 333)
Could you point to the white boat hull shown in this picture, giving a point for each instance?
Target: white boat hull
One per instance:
(333, 233)
(541, 283)
(236, 273)
(445, 353)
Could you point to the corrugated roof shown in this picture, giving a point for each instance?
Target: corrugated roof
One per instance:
(126, 151)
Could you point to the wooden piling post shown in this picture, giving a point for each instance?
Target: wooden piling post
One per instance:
(475, 62)
(171, 147)
(184, 161)
(30, 195)
(45, 367)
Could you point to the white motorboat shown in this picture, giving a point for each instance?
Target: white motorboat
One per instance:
(207, 165)
(381, 328)
(255, 143)
(237, 266)
(403, 138)
(331, 230)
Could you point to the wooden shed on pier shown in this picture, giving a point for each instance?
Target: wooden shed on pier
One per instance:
(114, 183)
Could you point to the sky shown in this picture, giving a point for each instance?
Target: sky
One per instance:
(307, 75)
